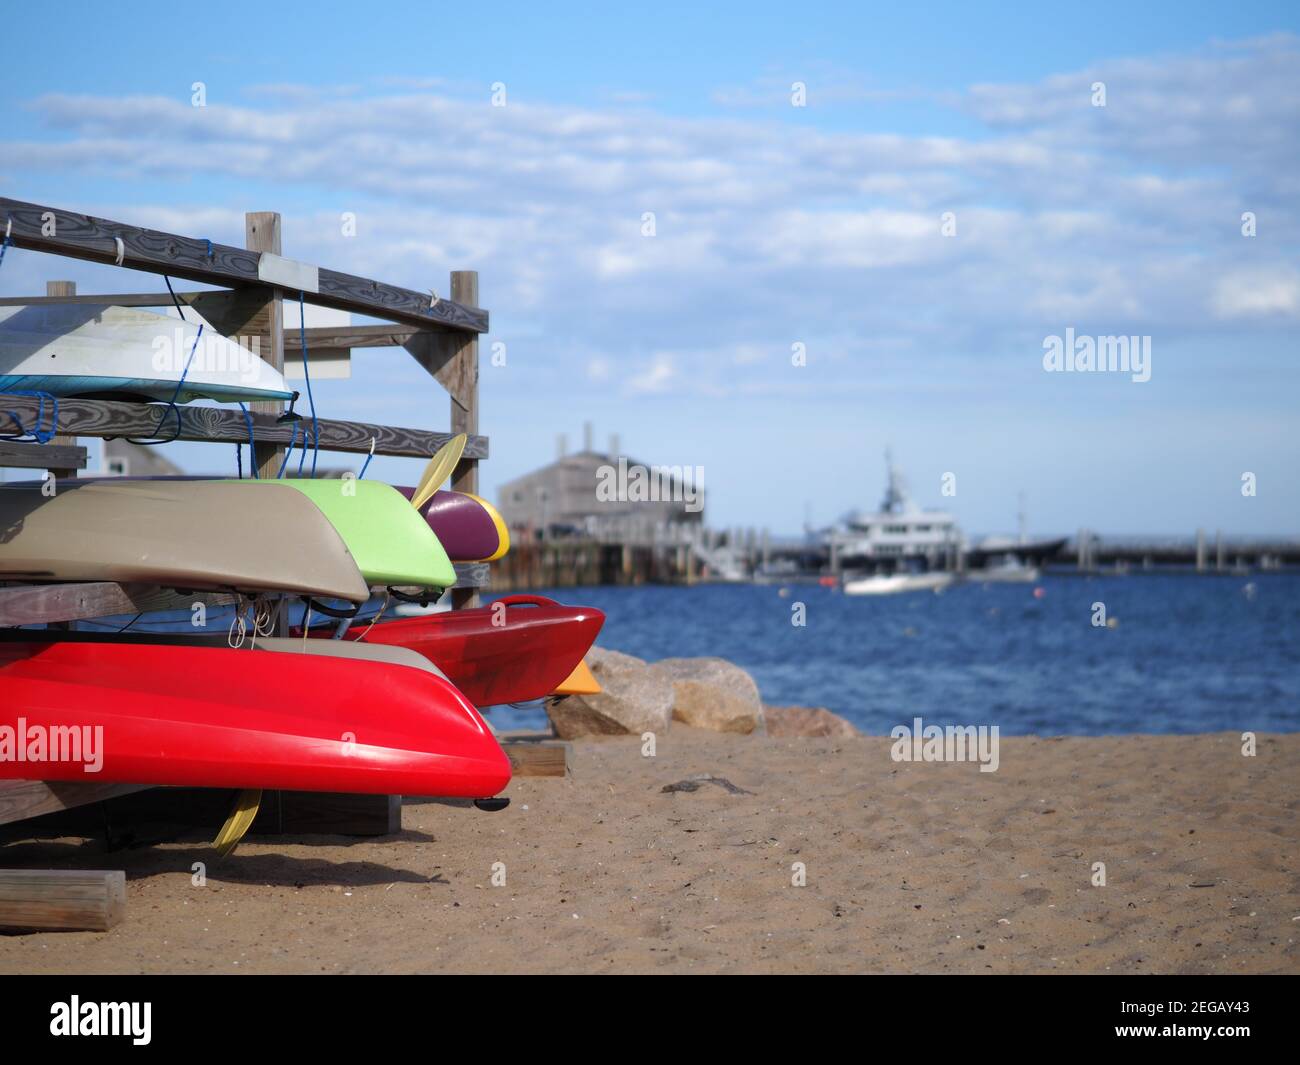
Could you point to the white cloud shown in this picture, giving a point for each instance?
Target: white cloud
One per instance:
(766, 231)
(655, 379)
(1258, 294)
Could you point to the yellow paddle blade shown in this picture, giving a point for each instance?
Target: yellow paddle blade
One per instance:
(239, 821)
(438, 470)
(580, 682)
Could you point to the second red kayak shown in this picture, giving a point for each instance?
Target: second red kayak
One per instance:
(520, 647)
(220, 718)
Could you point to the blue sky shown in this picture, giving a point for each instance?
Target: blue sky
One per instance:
(775, 225)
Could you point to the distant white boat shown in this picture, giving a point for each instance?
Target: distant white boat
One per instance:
(1008, 571)
(899, 533)
(894, 583)
(102, 350)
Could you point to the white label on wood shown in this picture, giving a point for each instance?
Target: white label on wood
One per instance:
(300, 277)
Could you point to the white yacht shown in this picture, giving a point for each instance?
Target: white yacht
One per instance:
(900, 537)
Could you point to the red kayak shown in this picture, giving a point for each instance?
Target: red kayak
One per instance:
(521, 647)
(220, 718)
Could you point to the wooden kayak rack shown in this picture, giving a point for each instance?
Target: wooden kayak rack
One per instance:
(440, 334)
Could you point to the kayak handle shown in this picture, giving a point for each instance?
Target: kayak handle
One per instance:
(423, 598)
(525, 600)
(332, 611)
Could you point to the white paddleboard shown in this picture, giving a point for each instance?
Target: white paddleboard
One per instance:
(93, 349)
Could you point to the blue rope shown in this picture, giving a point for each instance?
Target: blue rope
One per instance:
(252, 451)
(311, 402)
(293, 439)
(173, 296)
(364, 466)
(3, 245)
(171, 403)
(41, 436)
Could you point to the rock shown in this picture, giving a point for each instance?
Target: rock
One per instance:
(714, 694)
(807, 721)
(599, 658)
(636, 698)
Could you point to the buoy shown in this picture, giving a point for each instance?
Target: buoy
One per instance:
(1039, 593)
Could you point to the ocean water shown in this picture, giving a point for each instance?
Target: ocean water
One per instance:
(1184, 654)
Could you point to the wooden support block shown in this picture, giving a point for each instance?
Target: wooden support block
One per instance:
(21, 799)
(537, 758)
(35, 604)
(61, 457)
(67, 900)
(328, 813)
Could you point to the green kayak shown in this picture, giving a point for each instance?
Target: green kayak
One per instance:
(389, 539)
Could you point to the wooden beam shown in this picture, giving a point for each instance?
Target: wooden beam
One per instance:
(111, 418)
(23, 799)
(36, 604)
(78, 236)
(210, 303)
(460, 377)
(61, 457)
(262, 234)
(472, 575)
(58, 289)
(356, 336)
(68, 900)
(537, 758)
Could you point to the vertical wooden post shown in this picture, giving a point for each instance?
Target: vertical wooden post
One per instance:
(464, 405)
(262, 233)
(62, 288)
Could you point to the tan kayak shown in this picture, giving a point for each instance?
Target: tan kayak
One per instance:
(368, 652)
(222, 535)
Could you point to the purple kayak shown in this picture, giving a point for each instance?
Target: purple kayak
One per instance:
(469, 528)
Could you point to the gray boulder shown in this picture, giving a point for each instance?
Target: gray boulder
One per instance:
(806, 721)
(713, 693)
(636, 698)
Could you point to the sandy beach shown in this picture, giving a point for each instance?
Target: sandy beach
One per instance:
(909, 868)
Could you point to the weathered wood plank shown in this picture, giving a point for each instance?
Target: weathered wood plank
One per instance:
(459, 376)
(262, 234)
(80, 236)
(110, 418)
(537, 758)
(472, 575)
(214, 305)
(21, 799)
(356, 336)
(56, 289)
(61, 457)
(68, 900)
(36, 604)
